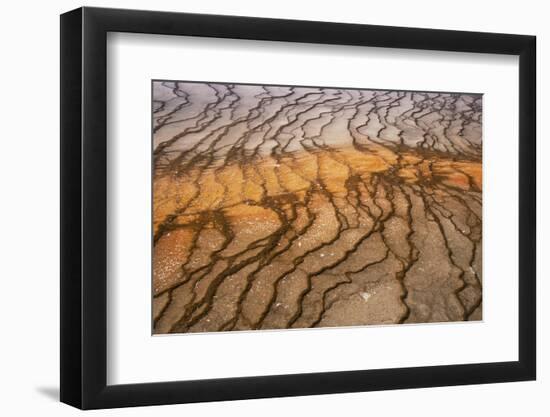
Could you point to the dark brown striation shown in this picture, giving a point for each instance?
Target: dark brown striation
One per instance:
(290, 207)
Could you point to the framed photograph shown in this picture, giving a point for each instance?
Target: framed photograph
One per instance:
(257, 208)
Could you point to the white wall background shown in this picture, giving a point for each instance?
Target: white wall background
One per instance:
(29, 177)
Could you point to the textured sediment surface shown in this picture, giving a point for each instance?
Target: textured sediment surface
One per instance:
(290, 207)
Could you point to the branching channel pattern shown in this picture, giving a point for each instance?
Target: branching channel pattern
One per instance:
(291, 207)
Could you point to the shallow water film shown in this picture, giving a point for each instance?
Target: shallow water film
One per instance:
(281, 207)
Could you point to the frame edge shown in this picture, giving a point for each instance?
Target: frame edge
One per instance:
(527, 332)
(70, 214)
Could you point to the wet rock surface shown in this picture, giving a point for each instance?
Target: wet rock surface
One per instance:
(289, 207)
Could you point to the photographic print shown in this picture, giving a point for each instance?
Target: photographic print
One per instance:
(291, 207)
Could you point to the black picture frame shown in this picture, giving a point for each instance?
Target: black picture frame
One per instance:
(84, 207)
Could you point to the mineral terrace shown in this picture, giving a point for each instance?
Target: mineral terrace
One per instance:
(289, 207)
